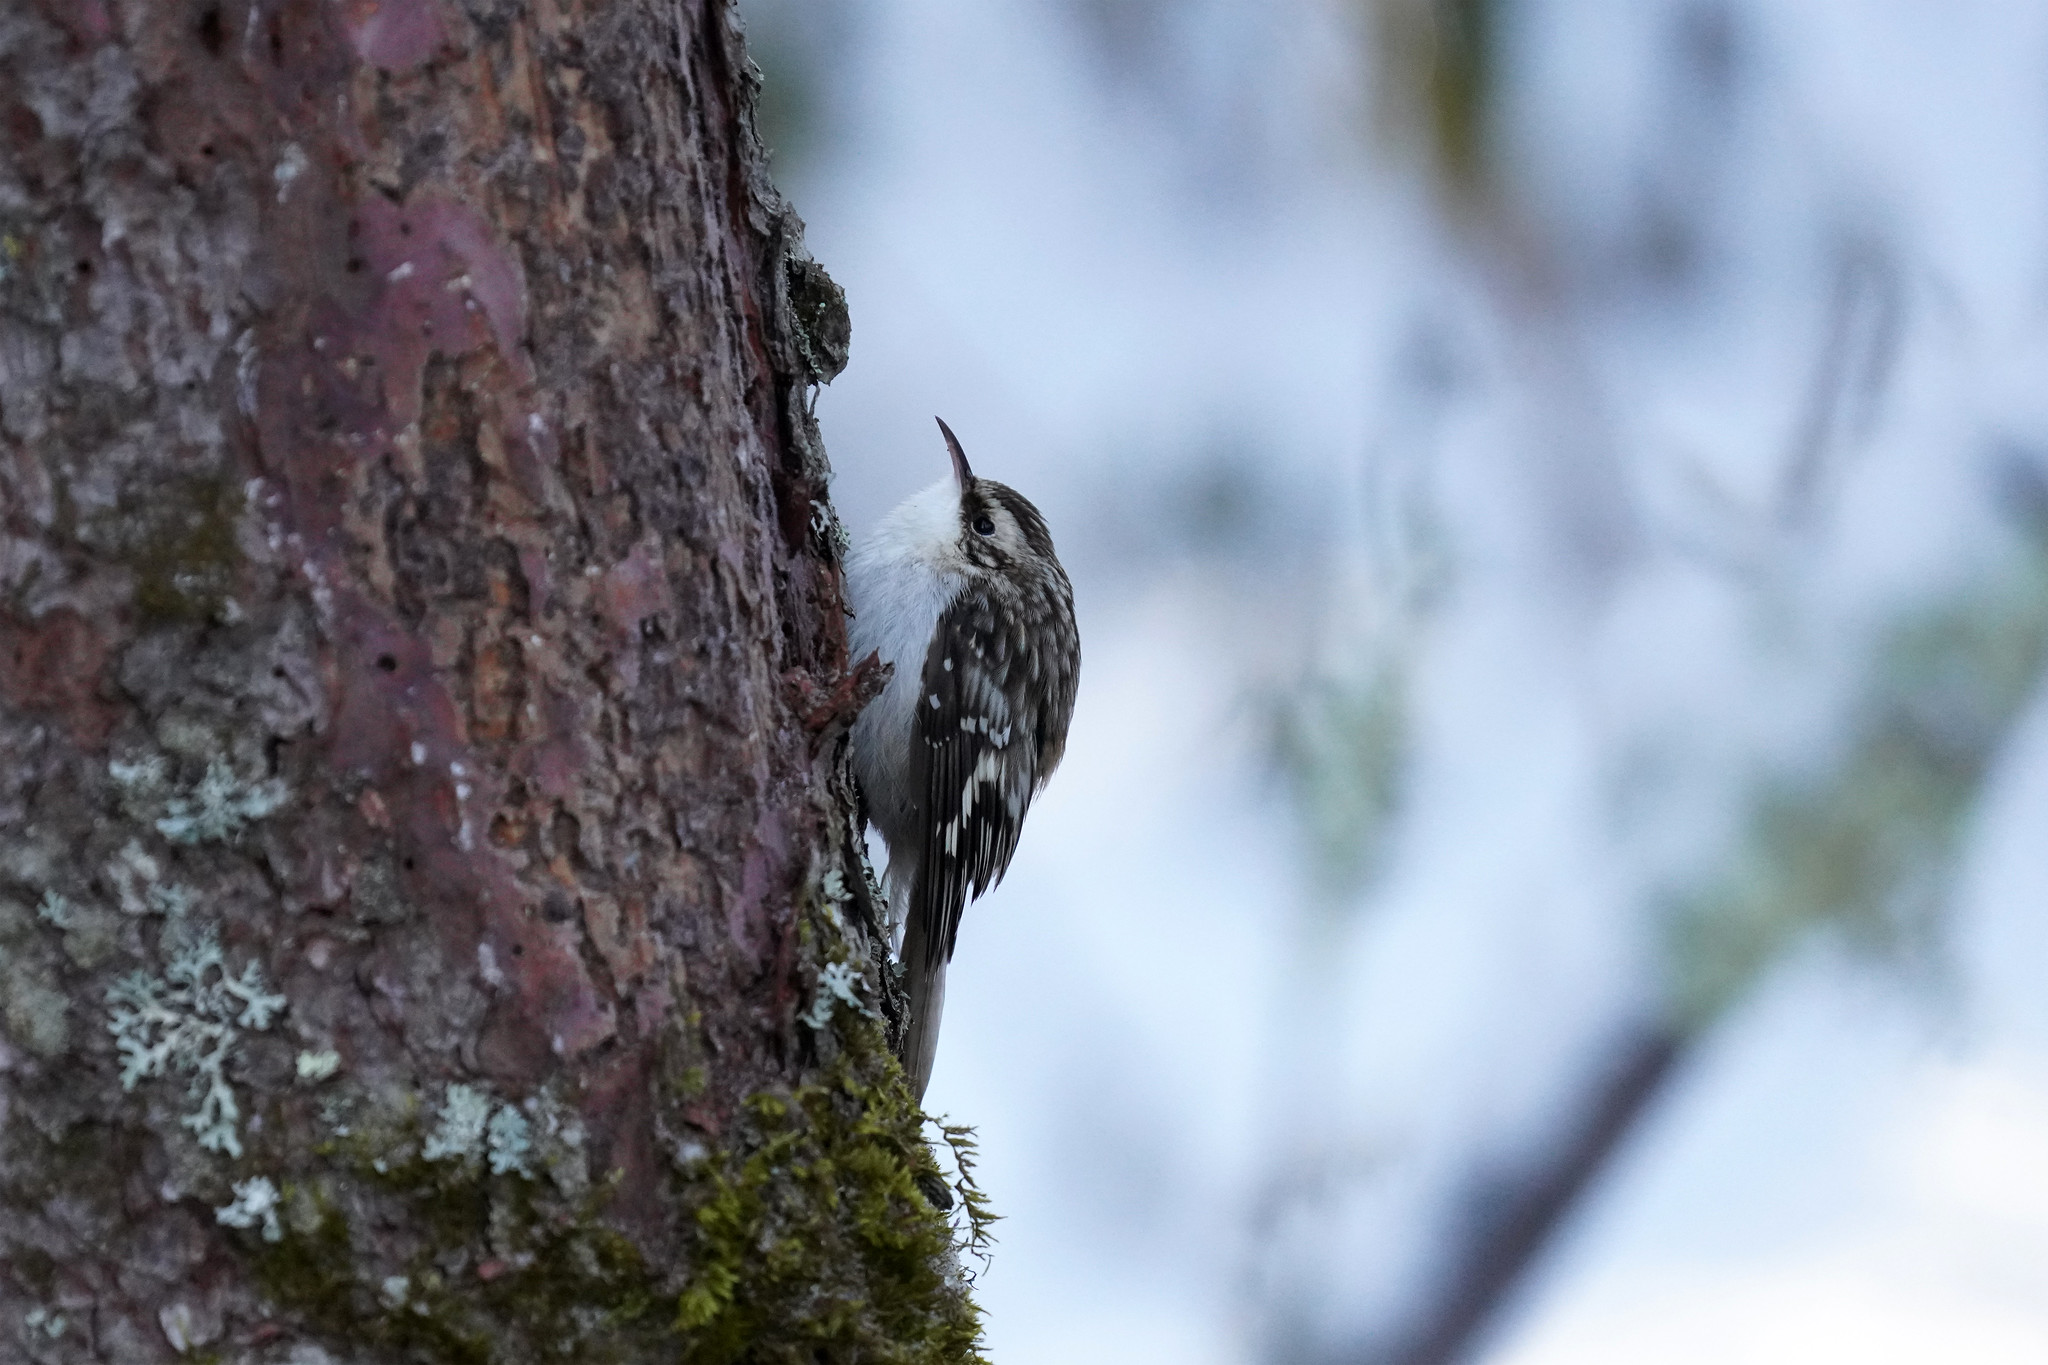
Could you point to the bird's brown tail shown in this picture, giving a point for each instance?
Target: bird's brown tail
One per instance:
(926, 986)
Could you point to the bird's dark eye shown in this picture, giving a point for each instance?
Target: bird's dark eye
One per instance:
(983, 526)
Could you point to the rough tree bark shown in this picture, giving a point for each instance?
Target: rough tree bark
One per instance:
(429, 923)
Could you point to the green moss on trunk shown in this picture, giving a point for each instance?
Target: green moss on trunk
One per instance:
(817, 1243)
(813, 1242)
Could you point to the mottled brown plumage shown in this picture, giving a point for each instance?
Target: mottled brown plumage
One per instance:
(960, 588)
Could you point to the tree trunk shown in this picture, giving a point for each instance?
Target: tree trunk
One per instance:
(430, 924)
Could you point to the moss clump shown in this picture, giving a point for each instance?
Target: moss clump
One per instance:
(571, 1290)
(811, 1242)
(183, 550)
(817, 1244)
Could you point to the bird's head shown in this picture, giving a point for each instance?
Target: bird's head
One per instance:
(999, 528)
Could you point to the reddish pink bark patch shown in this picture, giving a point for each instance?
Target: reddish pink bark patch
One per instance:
(553, 762)
(636, 588)
(764, 876)
(622, 1140)
(397, 727)
(88, 21)
(394, 35)
(444, 286)
(54, 664)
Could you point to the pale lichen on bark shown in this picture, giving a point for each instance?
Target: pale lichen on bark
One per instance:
(422, 675)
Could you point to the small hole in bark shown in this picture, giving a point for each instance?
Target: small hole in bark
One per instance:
(85, 267)
(355, 265)
(406, 862)
(519, 950)
(387, 662)
(213, 34)
(206, 149)
(404, 228)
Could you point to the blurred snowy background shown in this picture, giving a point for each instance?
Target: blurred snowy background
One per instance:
(1551, 860)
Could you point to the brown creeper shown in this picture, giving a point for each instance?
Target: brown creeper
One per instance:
(959, 588)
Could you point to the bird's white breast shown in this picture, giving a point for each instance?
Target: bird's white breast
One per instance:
(898, 582)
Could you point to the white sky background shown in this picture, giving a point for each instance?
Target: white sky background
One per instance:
(1128, 292)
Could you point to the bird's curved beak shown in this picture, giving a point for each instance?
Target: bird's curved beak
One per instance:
(960, 469)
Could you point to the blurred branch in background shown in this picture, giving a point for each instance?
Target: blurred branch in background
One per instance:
(1862, 843)
(1438, 70)
(1511, 1213)
(1865, 848)
(1852, 368)
(1866, 320)
(1341, 747)
(1436, 61)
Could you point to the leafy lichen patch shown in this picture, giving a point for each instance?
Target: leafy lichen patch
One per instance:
(509, 1138)
(836, 982)
(138, 882)
(51, 1324)
(56, 910)
(219, 805)
(465, 1113)
(89, 932)
(214, 809)
(531, 1139)
(254, 1206)
(191, 1020)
